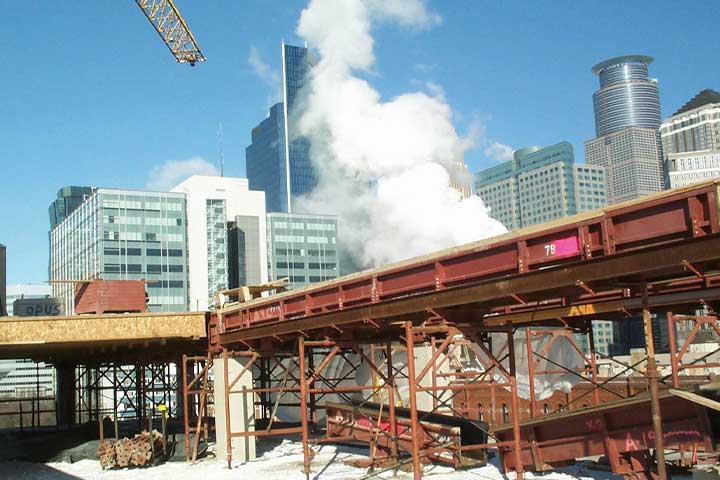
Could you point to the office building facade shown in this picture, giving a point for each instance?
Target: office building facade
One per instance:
(3, 281)
(23, 378)
(302, 247)
(691, 140)
(68, 199)
(212, 202)
(247, 251)
(278, 159)
(631, 160)
(627, 119)
(539, 185)
(124, 234)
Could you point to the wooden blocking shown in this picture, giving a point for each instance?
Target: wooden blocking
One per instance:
(110, 296)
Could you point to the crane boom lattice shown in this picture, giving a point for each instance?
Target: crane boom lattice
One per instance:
(170, 25)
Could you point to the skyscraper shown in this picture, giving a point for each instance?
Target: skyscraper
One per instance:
(124, 235)
(691, 140)
(212, 202)
(627, 96)
(68, 199)
(278, 159)
(627, 119)
(540, 184)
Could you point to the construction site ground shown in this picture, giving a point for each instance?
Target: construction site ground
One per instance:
(276, 461)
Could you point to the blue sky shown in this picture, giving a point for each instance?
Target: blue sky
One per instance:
(92, 97)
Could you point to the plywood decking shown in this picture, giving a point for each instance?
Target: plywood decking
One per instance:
(41, 335)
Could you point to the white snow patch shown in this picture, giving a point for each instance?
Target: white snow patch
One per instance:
(284, 462)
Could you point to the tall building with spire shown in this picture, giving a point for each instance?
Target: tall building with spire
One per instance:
(627, 122)
(278, 159)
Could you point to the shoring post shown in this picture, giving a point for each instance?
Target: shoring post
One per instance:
(593, 361)
(391, 402)
(226, 384)
(531, 371)
(514, 404)
(674, 360)
(186, 421)
(304, 406)
(312, 402)
(652, 375)
(433, 371)
(412, 387)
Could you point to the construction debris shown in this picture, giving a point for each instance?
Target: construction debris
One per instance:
(136, 452)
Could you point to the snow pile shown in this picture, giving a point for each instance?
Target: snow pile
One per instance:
(284, 462)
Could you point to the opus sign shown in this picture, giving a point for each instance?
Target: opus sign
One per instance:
(38, 307)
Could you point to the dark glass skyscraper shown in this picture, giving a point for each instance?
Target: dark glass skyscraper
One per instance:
(278, 160)
(68, 199)
(627, 96)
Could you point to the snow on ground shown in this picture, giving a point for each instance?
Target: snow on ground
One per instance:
(284, 462)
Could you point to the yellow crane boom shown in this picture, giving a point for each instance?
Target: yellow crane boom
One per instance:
(170, 25)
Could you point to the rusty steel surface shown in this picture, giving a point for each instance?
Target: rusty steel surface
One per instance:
(674, 233)
(370, 425)
(110, 296)
(621, 430)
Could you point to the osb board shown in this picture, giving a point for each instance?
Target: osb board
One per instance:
(98, 328)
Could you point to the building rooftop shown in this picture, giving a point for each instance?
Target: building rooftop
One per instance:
(705, 97)
(620, 60)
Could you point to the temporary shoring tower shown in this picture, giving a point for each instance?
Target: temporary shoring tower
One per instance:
(660, 253)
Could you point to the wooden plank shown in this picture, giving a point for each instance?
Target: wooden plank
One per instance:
(695, 398)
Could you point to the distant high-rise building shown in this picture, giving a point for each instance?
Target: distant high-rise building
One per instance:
(631, 159)
(124, 235)
(278, 160)
(302, 247)
(627, 119)
(691, 140)
(540, 184)
(68, 199)
(212, 202)
(3, 281)
(627, 96)
(23, 377)
(247, 251)
(461, 179)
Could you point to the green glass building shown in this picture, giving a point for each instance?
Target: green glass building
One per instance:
(124, 235)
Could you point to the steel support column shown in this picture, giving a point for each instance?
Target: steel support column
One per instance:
(412, 387)
(652, 376)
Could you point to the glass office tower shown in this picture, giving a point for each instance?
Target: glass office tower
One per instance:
(278, 160)
(627, 96)
(539, 185)
(627, 119)
(302, 247)
(68, 199)
(124, 235)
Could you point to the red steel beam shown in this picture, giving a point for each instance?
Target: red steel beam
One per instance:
(662, 219)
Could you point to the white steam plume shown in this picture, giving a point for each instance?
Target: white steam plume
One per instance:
(382, 166)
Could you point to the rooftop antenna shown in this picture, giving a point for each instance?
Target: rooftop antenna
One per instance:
(222, 159)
